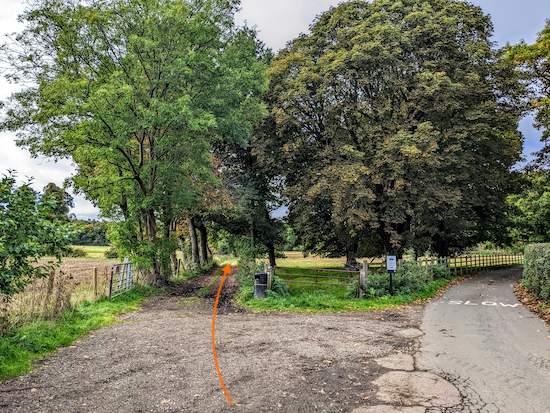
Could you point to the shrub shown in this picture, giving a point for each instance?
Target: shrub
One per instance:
(245, 276)
(439, 271)
(536, 271)
(279, 289)
(408, 279)
(110, 253)
(74, 253)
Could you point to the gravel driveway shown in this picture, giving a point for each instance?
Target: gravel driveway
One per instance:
(159, 359)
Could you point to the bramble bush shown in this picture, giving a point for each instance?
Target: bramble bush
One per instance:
(536, 270)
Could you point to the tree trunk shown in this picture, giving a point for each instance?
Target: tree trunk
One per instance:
(203, 242)
(181, 239)
(271, 254)
(253, 240)
(151, 232)
(351, 262)
(193, 240)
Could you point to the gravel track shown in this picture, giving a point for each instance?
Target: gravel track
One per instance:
(159, 359)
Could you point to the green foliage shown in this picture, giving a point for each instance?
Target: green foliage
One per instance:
(137, 93)
(110, 253)
(245, 275)
(440, 271)
(20, 347)
(321, 301)
(407, 280)
(193, 271)
(26, 235)
(279, 289)
(94, 232)
(533, 64)
(536, 270)
(74, 253)
(393, 124)
(530, 213)
(62, 200)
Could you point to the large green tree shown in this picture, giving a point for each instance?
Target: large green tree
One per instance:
(533, 64)
(395, 124)
(135, 92)
(63, 201)
(28, 234)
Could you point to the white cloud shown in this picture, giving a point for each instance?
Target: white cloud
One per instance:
(281, 21)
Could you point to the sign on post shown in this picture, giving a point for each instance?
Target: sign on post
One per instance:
(391, 267)
(391, 263)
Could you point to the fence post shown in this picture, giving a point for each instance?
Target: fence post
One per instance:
(95, 282)
(362, 278)
(268, 271)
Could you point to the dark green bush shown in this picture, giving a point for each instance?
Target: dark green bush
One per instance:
(536, 271)
(110, 253)
(408, 279)
(74, 253)
(439, 271)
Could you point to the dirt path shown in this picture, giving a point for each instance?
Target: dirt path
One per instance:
(159, 359)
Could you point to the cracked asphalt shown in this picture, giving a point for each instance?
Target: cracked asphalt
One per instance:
(481, 339)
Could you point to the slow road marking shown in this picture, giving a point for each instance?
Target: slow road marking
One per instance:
(485, 303)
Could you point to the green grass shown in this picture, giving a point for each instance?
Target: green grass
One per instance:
(323, 300)
(18, 349)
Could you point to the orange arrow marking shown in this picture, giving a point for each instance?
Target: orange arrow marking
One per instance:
(226, 270)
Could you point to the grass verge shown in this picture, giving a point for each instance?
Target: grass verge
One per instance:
(18, 349)
(326, 301)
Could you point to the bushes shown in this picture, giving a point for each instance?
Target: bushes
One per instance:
(536, 272)
(408, 279)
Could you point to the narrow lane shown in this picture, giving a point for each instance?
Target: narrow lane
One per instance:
(479, 337)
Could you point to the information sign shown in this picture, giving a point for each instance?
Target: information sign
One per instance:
(391, 263)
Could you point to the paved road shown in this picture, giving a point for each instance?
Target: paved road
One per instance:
(479, 337)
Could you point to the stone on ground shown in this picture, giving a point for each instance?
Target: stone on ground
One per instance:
(416, 389)
(409, 333)
(398, 361)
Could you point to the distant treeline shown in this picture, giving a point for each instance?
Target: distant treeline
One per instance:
(94, 232)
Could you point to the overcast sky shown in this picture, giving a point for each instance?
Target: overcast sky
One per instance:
(277, 21)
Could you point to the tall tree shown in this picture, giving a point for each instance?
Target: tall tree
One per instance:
(62, 200)
(135, 92)
(533, 64)
(398, 121)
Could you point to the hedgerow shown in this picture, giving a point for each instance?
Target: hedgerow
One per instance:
(536, 271)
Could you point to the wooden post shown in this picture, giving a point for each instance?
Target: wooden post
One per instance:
(268, 270)
(362, 278)
(95, 282)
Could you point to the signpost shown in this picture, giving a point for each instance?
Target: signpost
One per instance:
(391, 266)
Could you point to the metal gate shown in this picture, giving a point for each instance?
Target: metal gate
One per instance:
(121, 278)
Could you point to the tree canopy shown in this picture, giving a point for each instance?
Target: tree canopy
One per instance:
(394, 125)
(135, 92)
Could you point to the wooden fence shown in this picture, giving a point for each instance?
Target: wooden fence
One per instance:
(454, 266)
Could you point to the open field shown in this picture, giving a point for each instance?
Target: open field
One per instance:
(93, 251)
(297, 259)
(47, 298)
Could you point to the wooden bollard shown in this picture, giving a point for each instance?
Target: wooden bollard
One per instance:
(95, 282)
